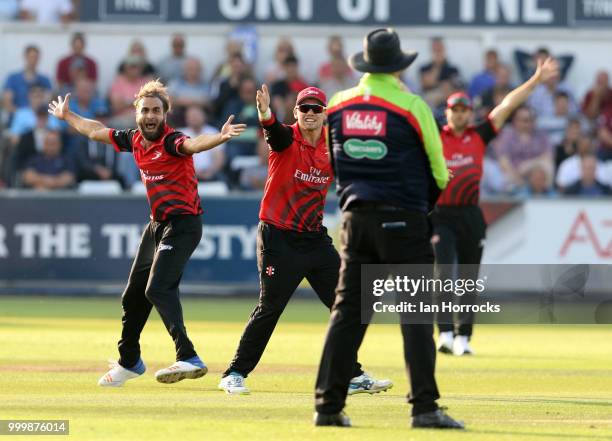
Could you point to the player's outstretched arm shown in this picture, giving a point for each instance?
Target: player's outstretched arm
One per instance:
(278, 136)
(546, 70)
(207, 142)
(94, 130)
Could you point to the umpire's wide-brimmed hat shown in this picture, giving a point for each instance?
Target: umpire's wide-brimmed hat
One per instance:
(382, 53)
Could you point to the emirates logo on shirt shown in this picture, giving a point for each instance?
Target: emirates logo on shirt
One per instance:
(315, 176)
(364, 123)
(459, 160)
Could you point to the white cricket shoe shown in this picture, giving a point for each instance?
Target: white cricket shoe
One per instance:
(461, 346)
(234, 384)
(191, 369)
(118, 375)
(445, 342)
(366, 384)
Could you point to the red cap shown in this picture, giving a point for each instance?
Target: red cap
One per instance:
(311, 92)
(458, 99)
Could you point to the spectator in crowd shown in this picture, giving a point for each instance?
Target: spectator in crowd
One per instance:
(9, 10)
(255, 177)
(86, 103)
(486, 79)
(588, 185)
(569, 144)
(492, 97)
(538, 183)
(27, 145)
(25, 118)
(17, 85)
(284, 50)
(245, 111)
(569, 171)
(519, 147)
(598, 99)
(123, 90)
(554, 125)
(291, 81)
(439, 69)
(338, 79)
(438, 79)
(526, 62)
(542, 100)
(75, 62)
(171, 67)
(228, 89)
(137, 50)
(493, 182)
(47, 11)
(95, 161)
(330, 70)
(50, 169)
(208, 164)
(189, 90)
(224, 69)
(604, 134)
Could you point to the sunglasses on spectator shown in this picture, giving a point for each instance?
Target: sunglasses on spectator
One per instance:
(316, 108)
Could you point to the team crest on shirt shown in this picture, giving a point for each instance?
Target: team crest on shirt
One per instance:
(270, 271)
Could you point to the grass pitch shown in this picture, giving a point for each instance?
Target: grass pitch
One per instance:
(525, 383)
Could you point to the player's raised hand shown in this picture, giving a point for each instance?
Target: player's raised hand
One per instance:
(547, 69)
(61, 107)
(229, 130)
(263, 99)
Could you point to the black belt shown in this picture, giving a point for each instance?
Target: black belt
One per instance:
(373, 206)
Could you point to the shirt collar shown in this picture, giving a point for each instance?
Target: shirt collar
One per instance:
(297, 135)
(386, 79)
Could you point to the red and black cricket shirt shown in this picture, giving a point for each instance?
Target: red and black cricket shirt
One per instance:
(299, 175)
(464, 155)
(168, 175)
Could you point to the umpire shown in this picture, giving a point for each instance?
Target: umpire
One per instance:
(389, 167)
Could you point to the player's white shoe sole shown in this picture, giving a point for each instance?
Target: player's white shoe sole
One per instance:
(117, 376)
(179, 371)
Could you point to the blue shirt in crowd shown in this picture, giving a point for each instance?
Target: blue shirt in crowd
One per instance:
(17, 83)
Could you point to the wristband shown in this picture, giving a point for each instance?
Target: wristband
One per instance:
(265, 116)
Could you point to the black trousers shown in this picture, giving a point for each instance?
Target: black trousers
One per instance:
(461, 233)
(284, 259)
(366, 238)
(164, 250)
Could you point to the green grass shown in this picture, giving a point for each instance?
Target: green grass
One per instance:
(525, 383)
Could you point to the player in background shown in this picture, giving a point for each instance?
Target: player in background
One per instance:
(164, 157)
(459, 226)
(292, 243)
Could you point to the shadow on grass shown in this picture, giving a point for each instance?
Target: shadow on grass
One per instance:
(554, 435)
